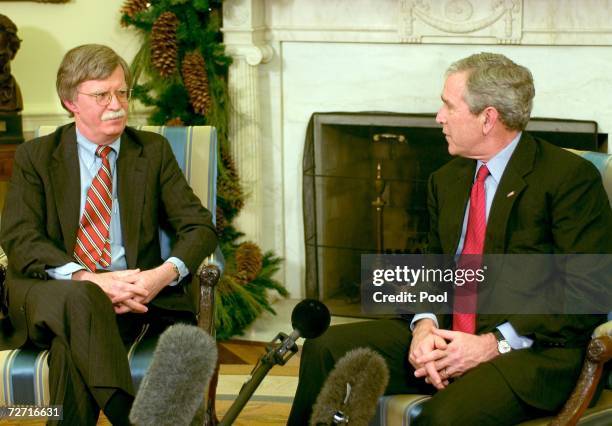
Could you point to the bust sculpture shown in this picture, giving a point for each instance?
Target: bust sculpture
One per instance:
(10, 95)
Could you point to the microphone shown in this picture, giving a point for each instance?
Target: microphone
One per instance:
(309, 319)
(352, 389)
(173, 389)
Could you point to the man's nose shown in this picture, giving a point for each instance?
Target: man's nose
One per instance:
(114, 103)
(439, 117)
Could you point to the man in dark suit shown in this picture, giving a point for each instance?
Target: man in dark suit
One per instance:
(81, 231)
(506, 193)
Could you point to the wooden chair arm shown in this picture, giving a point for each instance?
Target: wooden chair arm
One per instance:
(598, 353)
(209, 275)
(3, 293)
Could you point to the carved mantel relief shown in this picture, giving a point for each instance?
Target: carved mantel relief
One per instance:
(497, 19)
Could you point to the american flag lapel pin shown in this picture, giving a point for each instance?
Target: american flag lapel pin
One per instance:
(509, 194)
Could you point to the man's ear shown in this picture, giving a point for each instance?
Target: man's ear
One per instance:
(490, 116)
(70, 106)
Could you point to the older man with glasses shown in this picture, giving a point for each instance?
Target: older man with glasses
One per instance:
(80, 229)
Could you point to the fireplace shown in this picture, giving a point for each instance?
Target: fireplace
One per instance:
(365, 191)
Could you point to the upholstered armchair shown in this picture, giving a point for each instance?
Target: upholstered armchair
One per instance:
(400, 409)
(24, 372)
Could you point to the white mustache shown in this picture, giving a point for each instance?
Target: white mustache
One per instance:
(111, 115)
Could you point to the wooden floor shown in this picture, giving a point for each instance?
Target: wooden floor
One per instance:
(237, 359)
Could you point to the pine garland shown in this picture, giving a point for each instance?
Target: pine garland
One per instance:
(182, 35)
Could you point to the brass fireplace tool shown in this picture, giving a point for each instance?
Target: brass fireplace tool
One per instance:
(380, 184)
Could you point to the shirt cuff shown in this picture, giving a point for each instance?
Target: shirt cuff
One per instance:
(419, 317)
(183, 271)
(64, 272)
(515, 341)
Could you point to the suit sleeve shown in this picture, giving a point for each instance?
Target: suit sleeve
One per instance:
(23, 233)
(192, 223)
(581, 223)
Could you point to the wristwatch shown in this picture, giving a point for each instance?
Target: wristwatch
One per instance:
(502, 344)
(176, 271)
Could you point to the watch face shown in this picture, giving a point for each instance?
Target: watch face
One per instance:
(503, 347)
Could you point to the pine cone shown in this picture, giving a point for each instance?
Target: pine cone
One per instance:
(249, 261)
(231, 192)
(176, 121)
(228, 185)
(229, 164)
(220, 221)
(195, 79)
(132, 7)
(163, 44)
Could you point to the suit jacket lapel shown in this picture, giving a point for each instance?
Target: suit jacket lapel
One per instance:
(457, 198)
(131, 175)
(66, 184)
(509, 190)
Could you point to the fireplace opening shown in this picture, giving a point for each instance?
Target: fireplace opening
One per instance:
(365, 191)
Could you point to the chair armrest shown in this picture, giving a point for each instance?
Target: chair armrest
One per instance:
(208, 274)
(3, 293)
(599, 352)
(603, 330)
(216, 259)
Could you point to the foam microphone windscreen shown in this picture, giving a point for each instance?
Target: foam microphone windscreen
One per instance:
(367, 374)
(175, 384)
(311, 318)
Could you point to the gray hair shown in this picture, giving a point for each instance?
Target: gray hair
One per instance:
(87, 62)
(494, 80)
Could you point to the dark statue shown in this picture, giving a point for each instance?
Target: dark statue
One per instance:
(11, 102)
(10, 95)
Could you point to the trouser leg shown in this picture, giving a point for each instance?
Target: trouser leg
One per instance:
(390, 338)
(81, 316)
(481, 397)
(66, 384)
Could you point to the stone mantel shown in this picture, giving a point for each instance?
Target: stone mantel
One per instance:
(296, 57)
(527, 22)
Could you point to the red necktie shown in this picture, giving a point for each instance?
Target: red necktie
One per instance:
(464, 308)
(93, 242)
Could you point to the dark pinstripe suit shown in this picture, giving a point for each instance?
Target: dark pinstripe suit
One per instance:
(39, 227)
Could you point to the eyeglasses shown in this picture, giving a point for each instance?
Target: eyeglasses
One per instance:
(105, 98)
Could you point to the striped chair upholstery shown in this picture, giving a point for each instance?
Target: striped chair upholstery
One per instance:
(397, 410)
(24, 372)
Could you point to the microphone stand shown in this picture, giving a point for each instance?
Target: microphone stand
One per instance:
(276, 355)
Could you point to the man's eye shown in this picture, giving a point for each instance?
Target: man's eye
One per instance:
(102, 96)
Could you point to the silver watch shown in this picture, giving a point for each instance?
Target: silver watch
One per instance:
(502, 344)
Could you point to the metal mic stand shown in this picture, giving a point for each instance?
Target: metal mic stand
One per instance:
(276, 355)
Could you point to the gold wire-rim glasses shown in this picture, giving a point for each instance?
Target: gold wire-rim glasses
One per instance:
(105, 98)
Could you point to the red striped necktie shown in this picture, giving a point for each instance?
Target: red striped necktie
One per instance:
(93, 238)
(464, 307)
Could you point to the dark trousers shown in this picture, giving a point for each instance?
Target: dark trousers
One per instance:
(480, 397)
(87, 344)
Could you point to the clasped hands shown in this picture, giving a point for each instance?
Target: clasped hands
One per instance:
(438, 355)
(130, 290)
